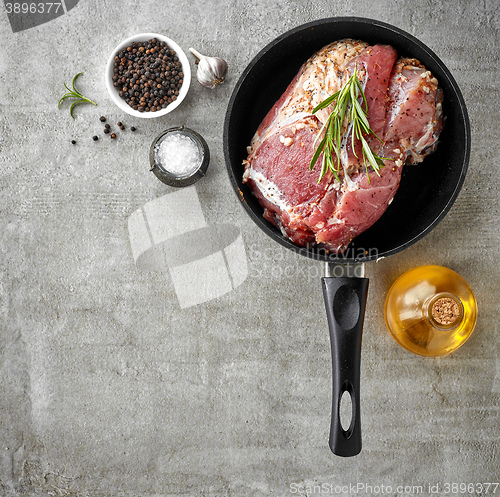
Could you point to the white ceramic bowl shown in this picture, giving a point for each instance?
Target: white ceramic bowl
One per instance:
(186, 69)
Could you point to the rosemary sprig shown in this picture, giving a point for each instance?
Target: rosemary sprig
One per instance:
(347, 103)
(74, 93)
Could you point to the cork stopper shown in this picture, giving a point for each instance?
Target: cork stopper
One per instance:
(445, 311)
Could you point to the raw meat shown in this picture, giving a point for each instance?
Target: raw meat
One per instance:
(404, 110)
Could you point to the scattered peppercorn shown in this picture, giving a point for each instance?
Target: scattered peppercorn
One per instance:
(119, 124)
(148, 75)
(73, 142)
(95, 138)
(106, 131)
(103, 119)
(113, 136)
(132, 128)
(122, 127)
(107, 126)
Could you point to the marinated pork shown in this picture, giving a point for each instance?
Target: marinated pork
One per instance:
(404, 111)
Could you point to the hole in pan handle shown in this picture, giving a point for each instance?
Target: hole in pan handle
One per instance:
(345, 302)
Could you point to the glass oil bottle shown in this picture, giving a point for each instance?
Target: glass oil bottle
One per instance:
(431, 310)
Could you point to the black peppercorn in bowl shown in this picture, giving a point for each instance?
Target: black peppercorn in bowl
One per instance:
(148, 75)
(179, 156)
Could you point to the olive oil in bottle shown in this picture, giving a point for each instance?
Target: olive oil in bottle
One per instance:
(430, 310)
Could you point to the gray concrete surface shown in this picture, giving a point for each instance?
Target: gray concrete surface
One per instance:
(108, 388)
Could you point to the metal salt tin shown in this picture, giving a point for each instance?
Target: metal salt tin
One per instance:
(161, 170)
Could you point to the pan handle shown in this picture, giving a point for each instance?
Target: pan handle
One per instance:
(345, 302)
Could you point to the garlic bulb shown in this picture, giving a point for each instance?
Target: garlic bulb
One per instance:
(211, 70)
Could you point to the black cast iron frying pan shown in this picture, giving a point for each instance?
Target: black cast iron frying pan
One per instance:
(425, 195)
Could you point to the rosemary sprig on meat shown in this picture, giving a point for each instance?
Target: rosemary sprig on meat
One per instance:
(347, 103)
